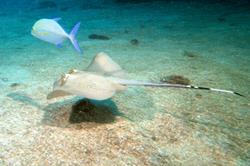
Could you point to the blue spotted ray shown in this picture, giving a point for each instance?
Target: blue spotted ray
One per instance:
(103, 78)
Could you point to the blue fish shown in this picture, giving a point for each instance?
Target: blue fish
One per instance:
(50, 31)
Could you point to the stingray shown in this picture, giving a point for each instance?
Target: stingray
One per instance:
(103, 78)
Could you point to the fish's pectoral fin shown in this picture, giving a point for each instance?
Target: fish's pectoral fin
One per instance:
(57, 93)
(59, 45)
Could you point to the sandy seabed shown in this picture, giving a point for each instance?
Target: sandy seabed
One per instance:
(142, 126)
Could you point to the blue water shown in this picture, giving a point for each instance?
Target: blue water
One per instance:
(206, 42)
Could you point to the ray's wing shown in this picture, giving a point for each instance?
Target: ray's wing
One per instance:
(57, 93)
(102, 64)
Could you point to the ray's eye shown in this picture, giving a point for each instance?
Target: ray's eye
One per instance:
(63, 79)
(72, 71)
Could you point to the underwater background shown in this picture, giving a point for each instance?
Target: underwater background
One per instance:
(202, 42)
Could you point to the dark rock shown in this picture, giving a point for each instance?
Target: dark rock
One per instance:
(134, 42)
(86, 111)
(232, 24)
(139, 1)
(81, 114)
(221, 19)
(14, 85)
(99, 37)
(154, 138)
(90, 6)
(131, 1)
(176, 79)
(198, 96)
(142, 26)
(63, 9)
(46, 5)
(84, 106)
(18, 48)
(170, 27)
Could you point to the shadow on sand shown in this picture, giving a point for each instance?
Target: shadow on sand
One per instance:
(80, 113)
(20, 97)
(73, 113)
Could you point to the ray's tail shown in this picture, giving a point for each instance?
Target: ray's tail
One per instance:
(149, 84)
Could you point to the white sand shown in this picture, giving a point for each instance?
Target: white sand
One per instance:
(156, 126)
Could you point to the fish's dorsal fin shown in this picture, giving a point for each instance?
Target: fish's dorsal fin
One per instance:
(104, 65)
(57, 19)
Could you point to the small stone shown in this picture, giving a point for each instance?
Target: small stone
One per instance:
(168, 26)
(221, 19)
(132, 1)
(233, 24)
(190, 54)
(176, 79)
(18, 48)
(134, 42)
(142, 26)
(5, 79)
(99, 37)
(46, 5)
(14, 85)
(63, 9)
(198, 96)
(154, 138)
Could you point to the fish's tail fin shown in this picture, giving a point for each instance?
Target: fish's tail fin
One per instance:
(72, 37)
